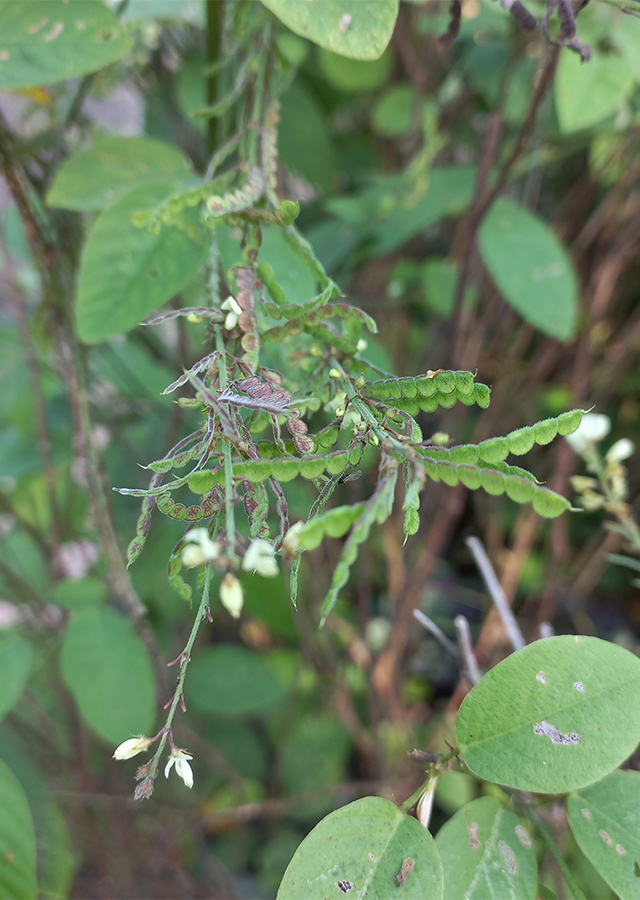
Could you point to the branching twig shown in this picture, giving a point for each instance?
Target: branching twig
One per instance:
(497, 594)
(431, 626)
(466, 648)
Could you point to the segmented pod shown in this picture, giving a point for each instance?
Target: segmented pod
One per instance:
(494, 450)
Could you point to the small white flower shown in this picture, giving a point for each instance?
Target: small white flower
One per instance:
(593, 428)
(291, 541)
(425, 803)
(199, 548)
(233, 310)
(231, 595)
(179, 759)
(622, 449)
(132, 747)
(261, 558)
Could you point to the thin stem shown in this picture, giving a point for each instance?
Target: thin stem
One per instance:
(185, 659)
(226, 443)
(466, 648)
(431, 626)
(497, 594)
(434, 771)
(572, 884)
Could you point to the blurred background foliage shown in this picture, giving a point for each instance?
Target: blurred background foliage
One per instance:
(392, 160)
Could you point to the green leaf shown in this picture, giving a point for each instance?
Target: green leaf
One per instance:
(44, 41)
(314, 755)
(391, 116)
(107, 668)
(96, 177)
(127, 272)
(557, 715)
(352, 75)
(585, 95)
(359, 30)
(232, 680)
(16, 659)
(605, 821)
(487, 851)
(17, 841)
(531, 268)
(364, 844)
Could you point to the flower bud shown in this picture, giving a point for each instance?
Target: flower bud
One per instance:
(260, 558)
(199, 548)
(231, 595)
(132, 747)
(622, 449)
(335, 373)
(425, 803)
(194, 319)
(593, 428)
(291, 541)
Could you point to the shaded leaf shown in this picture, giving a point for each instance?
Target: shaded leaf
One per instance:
(16, 659)
(96, 177)
(605, 821)
(487, 851)
(107, 668)
(531, 268)
(17, 841)
(360, 30)
(44, 41)
(232, 680)
(557, 715)
(585, 95)
(127, 272)
(363, 846)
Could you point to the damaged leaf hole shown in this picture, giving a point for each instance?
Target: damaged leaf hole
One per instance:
(474, 843)
(345, 886)
(555, 736)
(578, 685)
(523, 836)
(405, 870)
(540, 677)
(605, 837)
(509, 857)
(587, 814)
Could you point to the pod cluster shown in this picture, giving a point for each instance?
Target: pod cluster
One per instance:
(428, 392)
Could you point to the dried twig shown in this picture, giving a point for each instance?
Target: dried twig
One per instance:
(431, 626)
(471, 668)
(497, 594)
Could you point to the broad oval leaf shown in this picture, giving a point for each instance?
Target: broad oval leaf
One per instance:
(96, 177)
(531, 268)
(487, 851)
(17, 840)
(45, 41)
(585, 95)
(605, 821)
(553, 717)
(16, 659)
(107, 668)
(361, 848)
(360, 30)
(233, 680)
(127, 272)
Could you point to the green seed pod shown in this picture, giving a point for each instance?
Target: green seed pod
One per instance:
(470, 477)
(521, 441)
(449, 474)
(412, 407)
(445, 382)
(439, 454)
(428, 404)
(201, 482)
(409, 388)
(446, 401)
(311, 535)
(276, 293)
(337, 521)
(482, 395)
(416, 432)
(549, 504)
(464, 382)
(337, 464)
(494, 483)
(467, 454)
(466, 399)
(494, 450)
(288, 212)
(329, 436)
(432, 470)
(393, 388)
(285, 469)
(255, 470)
(312, 468)
(522, 473)
(569, 422)
(355, 454)
(520, 490)
(545, 431)
(377, 390)
(426, 386)
(411, 521)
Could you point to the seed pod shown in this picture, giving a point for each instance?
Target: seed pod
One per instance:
(411, 521)
(521, 441)
(470, 477)
(545, 431)
(445, 382)
(520, 490)
(494, 450)
(446, 401)
(409, 388)
(464, 382)
(426, 386)
(449, 474)
(428, 404)
(337, 464)
(570, 421)
(285, 469)
(482, 395)
(549, 504)
(467, 454)
(494, 483)
(201, 482)
(411, 407)
(312, 468)
(328, 437)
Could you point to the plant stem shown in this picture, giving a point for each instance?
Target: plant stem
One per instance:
(228, 465)
(434, 771)
(572, 884)
(185, 659)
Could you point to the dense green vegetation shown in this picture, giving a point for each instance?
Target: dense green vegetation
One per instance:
(289, 292)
